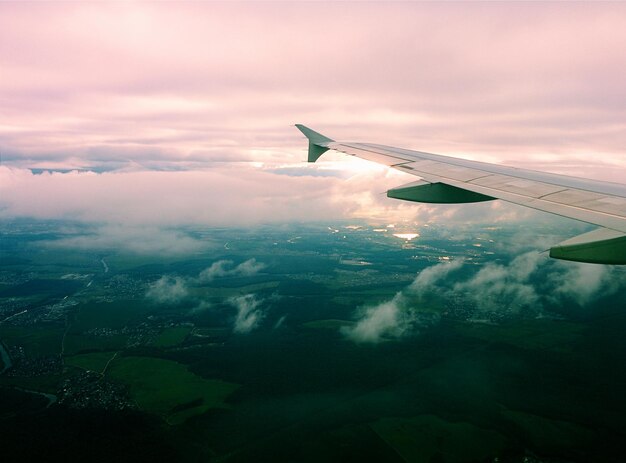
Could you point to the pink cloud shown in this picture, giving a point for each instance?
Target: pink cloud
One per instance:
(225, 195)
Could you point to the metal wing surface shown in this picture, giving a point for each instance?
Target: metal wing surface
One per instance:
(452, 180)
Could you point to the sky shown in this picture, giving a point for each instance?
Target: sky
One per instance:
(151, 115)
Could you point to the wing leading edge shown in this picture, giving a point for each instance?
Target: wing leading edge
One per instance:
(451, 180)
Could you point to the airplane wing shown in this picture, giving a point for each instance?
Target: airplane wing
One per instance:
(446, 179)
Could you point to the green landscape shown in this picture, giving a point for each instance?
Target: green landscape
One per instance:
(290, 352)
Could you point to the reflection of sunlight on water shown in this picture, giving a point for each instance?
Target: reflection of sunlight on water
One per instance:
(406, 236)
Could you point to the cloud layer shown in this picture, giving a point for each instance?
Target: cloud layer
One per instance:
(125, 203)
(189, 109)
(159, 85)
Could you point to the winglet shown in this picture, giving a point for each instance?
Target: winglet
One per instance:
(318, 143)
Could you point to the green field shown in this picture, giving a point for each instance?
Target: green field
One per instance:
(36, 340)
(47, 383)
(331, 324)
(168, 388)
(114, 315)
(549, 435)
(556, 335)
(78, 343)
(172, 336)
(91, 362)
(428, 438)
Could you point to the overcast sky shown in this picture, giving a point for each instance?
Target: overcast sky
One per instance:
(183, 113)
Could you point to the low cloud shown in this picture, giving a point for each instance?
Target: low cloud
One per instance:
(280, 322)
(583, 282)
(387, 320)
(504, 287)
(528, 285)
(249, 314)
(226, 268)
(175, 289)
(136, 239)
(168, 290)
(202, 306)
(431, 275)
(399, 316)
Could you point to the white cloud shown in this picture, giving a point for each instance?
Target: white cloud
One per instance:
(280, 322)
(249, 267)
(584, 282)
(147, 240)
(124, 202)
(530, 282)
(201, 307)
(429, 277)
(387, 320)
(168, 290)
(173, 289)
(249, 315)
(401, 315)
(226, 268)
(504, 287)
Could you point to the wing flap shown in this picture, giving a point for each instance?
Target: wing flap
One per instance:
(601, 246)
(439, 193)
(516, 185)
(588, 200)
(440, 169)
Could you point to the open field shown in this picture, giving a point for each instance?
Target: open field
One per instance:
(553, 436)
(36, 340)
(96, 361)
(114, 315)
(168, 388)
(330, 324)
(546, 334)
(428, 438)
(172, 336)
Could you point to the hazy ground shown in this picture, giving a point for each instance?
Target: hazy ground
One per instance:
(328, 342)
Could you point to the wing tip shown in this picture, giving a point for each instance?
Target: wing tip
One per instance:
(318, 143)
